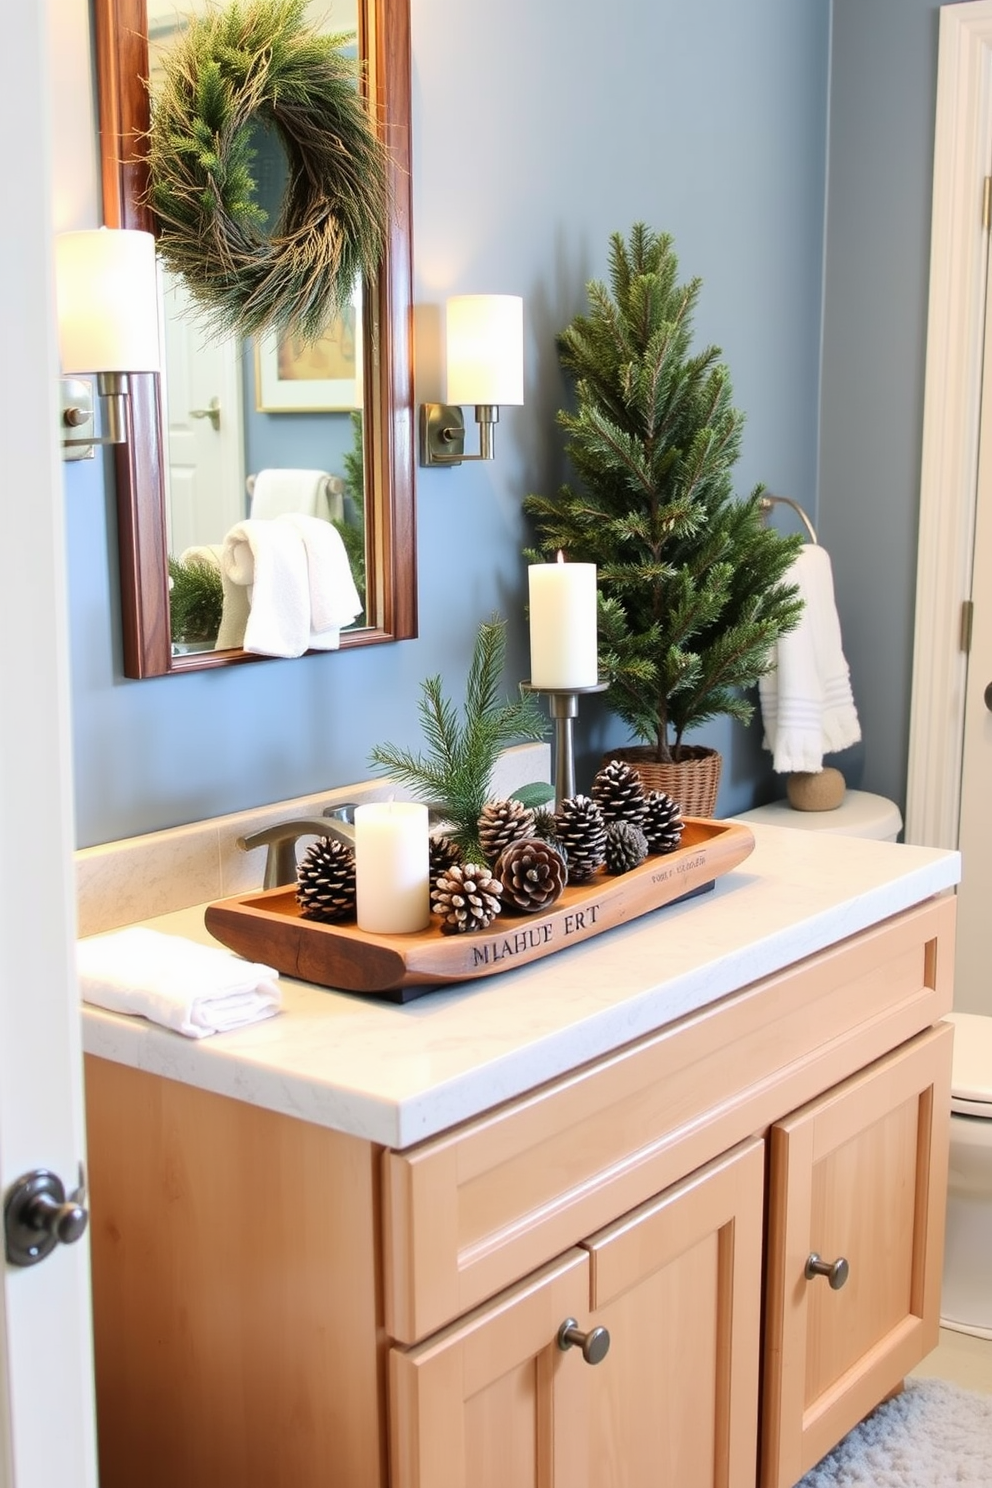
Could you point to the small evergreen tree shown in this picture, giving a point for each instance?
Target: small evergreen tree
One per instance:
(691, 591)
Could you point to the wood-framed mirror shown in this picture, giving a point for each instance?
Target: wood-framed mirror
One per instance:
(387, 431)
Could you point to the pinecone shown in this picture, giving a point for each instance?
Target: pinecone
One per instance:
(501, 823)
(544, 823)
(443, 854)
(546, 828)
(467, 897)
(581, 831)
(325, 887)
(662, 823)
(619, 792)
(532, 873)
(626, 846)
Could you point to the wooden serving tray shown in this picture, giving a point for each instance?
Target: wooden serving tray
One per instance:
(266, 925)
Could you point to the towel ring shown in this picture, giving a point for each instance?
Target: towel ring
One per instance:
(332, 485)
(767, 502)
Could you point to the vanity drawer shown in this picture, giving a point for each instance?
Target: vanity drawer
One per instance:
(475, 1209)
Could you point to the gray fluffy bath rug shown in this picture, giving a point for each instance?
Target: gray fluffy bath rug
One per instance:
(933, 1435)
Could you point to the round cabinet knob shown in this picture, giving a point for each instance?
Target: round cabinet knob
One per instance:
(836, 1272)
(37, 1216)
(595, 1344)
(988, 697)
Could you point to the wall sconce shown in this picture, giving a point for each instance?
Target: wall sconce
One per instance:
(485, 362)
(106, 292)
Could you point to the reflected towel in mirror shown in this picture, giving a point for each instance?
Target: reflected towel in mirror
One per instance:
(334, 600)
(270, 561)
(806, 701)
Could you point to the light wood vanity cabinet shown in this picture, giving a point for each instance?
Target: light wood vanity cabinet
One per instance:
(394, 1320)
(494, 1401)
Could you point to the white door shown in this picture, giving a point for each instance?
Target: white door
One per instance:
(973, 968)
(202, 392)
(46, 1388)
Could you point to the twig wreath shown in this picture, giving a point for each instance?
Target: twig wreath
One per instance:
(250, 65)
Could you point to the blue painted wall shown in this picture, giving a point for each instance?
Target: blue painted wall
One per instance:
(560, 123)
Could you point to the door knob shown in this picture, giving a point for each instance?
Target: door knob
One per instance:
(211, 412)
(988, 697)
(836, 1272)
(37, 1216)
(595, 1344)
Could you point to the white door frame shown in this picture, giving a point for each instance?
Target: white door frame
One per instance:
(948, 490)
(47, 1432)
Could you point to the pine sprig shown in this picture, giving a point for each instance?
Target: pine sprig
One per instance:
(692, 584)
(456, 770)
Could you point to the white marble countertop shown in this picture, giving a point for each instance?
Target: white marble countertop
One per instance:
(397, 1074)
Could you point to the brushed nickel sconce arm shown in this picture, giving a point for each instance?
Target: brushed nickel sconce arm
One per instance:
(78, 413)
(442, 433)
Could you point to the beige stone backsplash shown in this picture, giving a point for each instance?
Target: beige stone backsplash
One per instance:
(119, 883)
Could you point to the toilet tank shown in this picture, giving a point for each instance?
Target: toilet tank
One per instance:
(860, 814)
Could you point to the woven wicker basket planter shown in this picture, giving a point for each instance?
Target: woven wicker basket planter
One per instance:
(692, 781)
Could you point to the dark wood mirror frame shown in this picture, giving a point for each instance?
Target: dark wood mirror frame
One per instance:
(122, 64)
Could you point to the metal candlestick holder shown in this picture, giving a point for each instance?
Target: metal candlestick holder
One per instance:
(563, 705)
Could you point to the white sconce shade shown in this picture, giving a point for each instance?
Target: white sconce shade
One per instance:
(107, 301)
(485, 349)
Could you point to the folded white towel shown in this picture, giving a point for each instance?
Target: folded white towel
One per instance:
(312, 493)
(334, 600)
(205, 553)
(269, 559)
(806, 702)
(234, 613)
(194, 989)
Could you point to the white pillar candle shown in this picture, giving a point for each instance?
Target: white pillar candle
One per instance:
(562, 625)
(392, 867)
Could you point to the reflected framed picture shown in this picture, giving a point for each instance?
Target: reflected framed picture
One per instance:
(323, 377)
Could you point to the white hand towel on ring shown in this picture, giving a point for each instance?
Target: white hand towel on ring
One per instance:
(807, 706)
(313, 493)
(193, 989)
(269, 559)
(334, 600)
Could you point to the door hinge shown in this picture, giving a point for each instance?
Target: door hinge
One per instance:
(967, 622)
(987, 203)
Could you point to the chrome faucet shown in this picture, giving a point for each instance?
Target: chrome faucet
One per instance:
(282, 837)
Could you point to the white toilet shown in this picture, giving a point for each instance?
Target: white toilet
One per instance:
(860, 814)
(966, 1297)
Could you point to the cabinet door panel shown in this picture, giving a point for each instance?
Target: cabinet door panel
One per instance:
(493, 1402)
(678, 1284)
(861, 1174)
(855, 1211)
